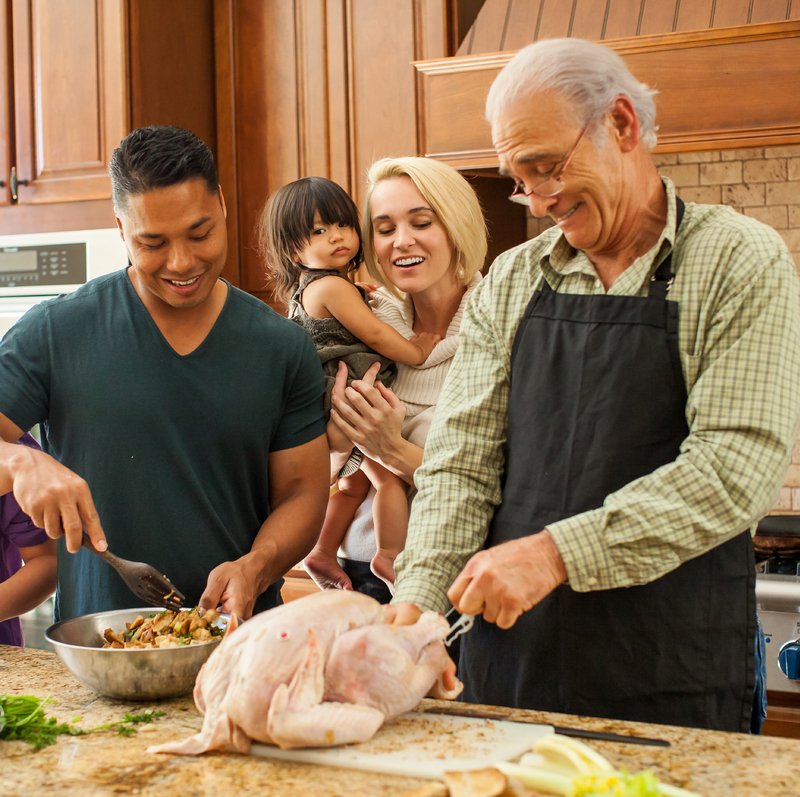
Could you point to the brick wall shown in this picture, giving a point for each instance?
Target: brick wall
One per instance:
(762, 182)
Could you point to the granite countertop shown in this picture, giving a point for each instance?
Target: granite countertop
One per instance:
(105, 763)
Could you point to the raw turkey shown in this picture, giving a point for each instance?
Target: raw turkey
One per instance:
(320, 671)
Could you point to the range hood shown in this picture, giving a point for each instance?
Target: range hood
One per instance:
(718, 89)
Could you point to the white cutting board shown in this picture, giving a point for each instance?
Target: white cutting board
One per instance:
(423, 745)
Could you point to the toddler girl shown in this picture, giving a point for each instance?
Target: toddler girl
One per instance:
(311, 237)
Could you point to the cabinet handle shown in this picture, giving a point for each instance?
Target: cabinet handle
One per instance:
(13, 182)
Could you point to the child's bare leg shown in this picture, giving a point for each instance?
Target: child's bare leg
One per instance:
(390, 516)
(322, 564)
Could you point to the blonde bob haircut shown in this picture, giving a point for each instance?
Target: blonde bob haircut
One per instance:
(451, 198)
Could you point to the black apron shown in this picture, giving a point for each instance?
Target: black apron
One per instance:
(598, 400)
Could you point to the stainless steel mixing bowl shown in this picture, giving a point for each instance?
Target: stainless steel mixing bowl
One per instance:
(126, 673)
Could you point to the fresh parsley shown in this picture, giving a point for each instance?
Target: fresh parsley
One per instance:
(23, 718)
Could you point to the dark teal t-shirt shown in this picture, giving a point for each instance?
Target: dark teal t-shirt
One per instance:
(174, 448)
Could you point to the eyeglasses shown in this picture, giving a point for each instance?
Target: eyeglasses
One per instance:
(549, 185)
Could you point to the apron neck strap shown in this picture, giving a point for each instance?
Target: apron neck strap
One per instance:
(661, 281)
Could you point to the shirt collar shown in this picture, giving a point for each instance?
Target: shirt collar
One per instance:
(559, 258)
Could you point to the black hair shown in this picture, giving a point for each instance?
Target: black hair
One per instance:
(287, 222)
(159, 157)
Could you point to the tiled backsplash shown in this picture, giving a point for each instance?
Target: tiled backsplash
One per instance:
(762, 182)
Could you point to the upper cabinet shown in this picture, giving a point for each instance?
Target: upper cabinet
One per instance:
(75, 77)
(313, 87)
(68, 104)
(720, 85)
(5, 116)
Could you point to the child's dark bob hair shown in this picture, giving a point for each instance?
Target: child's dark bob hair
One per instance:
(288, 220)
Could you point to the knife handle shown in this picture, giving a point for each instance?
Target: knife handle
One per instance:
(578, 733)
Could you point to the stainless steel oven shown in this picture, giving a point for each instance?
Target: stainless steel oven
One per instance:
(778, 597)
(777, 546)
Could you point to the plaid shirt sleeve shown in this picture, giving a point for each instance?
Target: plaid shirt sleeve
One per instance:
(459, 480)
(740, 352)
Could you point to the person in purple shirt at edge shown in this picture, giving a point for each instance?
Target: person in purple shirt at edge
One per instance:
(22, 588)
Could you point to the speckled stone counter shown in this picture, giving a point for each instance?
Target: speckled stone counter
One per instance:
(710, 763)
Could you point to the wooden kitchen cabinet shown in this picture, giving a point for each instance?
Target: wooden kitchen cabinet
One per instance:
(75, 77)
(5, 117)
(313, 87)
(68, 104)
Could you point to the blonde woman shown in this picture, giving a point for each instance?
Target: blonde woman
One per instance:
(424, 239)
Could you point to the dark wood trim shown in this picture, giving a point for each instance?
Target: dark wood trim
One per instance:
(783, 715)
(431, 40)
(5, 115)
(172, 65)
(339, 92)
(225, 109)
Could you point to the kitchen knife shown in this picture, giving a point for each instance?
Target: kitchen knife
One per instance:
(579, 733)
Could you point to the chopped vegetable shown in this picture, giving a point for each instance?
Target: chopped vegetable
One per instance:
(126, 726)
(565, 766)
(571, 754)
(22, 718)
(618, 784)
(167, 629)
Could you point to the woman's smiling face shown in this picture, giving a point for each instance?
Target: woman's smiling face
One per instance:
(410, 242)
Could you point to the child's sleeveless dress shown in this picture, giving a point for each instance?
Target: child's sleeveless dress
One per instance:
(333, 342)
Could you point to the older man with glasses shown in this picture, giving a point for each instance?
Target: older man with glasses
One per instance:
(620, 413)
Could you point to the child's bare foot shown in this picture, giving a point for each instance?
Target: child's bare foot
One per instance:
(326, 571)
(382, 565)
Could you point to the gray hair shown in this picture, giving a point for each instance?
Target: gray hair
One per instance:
(588, 74)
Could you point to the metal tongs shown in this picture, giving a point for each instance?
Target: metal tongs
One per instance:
(463, 624)
(143, 580)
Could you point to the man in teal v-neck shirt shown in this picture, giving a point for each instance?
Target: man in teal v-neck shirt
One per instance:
(182, 417)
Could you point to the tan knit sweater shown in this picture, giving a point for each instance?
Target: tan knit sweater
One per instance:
(418, 387)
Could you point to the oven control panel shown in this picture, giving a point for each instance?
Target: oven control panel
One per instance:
(36, 267)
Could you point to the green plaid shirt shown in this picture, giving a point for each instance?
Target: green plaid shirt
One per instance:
(739, 342)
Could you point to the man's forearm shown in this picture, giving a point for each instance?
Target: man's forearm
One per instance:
(283, 541)
(299, 498)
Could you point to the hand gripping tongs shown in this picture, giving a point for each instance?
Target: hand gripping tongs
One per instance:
(463, 624)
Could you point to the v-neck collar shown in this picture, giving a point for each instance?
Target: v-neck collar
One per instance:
(154, 326)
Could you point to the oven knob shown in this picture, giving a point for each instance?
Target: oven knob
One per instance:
(789, 660)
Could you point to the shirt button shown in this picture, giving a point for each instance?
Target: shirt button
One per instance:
(591, 581)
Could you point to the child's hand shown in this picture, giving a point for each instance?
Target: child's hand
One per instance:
(425, 342)
(373, 297)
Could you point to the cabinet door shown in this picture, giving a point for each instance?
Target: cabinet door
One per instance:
(70, 96)
(5, 121)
